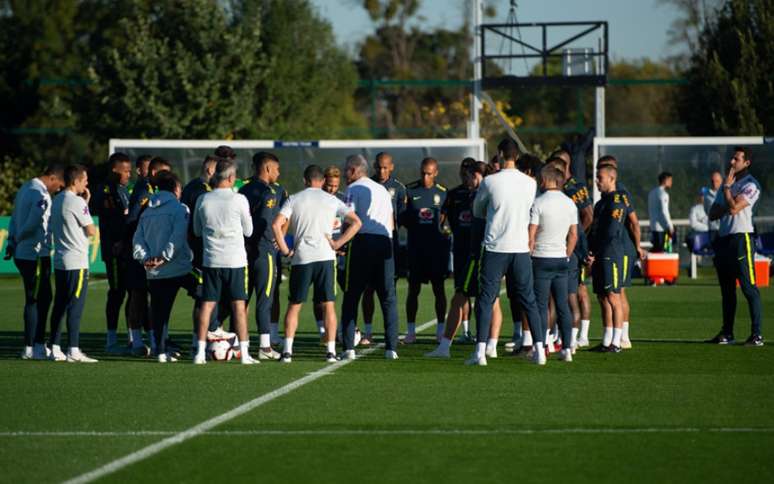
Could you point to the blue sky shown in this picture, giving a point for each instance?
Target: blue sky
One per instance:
(638, 28)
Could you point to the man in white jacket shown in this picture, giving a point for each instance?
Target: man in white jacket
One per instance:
(160, 244)
(658, 211)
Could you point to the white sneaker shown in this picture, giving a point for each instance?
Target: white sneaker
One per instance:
(199, 359)
(491, 353)
(246, 359)
(626, 344)
(166, 358)
(358, 337)
(438, 353)
(583, 342)
(539, 357)
(565, 355)
(268, 355)
(57, 354)
(390, 355)
(474, 360)
(347, 355)
(40, 352)
(26, 353)
(511, 346)
(220, 333)
(77, 356)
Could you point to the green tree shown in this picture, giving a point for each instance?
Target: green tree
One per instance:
(731, 90)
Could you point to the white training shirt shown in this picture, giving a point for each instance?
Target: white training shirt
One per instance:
(554, 213)
(504, 199)
(373, 204)
(222, 219)
(658, 210)
(28, 229)
(697, 218)
(709, 198)
(69, 217)
(741, 223)
(312, 214)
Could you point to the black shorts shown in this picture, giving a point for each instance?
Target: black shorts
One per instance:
(320, 274)
(135, 276)
(428, 265)
(573, 274)
(115, 270)
(627, 265)
(229, 282)
(469, 285)
(607, 275)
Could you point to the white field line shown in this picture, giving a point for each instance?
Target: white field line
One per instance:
(207, 425)
(399, 432)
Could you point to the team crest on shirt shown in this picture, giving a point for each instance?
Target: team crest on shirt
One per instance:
(425, 216)
(465, 217)
(270, 203)
(392, 192)
(436, 199)
(85, 210)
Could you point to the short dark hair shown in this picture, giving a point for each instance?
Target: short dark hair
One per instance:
(559, 152)
(73, 173)
(608, 167)
(55, 170)
(477, 167)
(158, 164)
(429, 161)
(166, 181)
(529, 164)
(380, 155)
(117, 158)
(262, 157)
(467, 163)
(560, 163)
(744, 151)
(551, 173)
(225, 151)
(313, 173)
(142, 159)
(509, 150)
(663, 176)
(209, 159)
(607, 160)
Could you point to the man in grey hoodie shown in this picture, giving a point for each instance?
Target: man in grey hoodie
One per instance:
(160, 244)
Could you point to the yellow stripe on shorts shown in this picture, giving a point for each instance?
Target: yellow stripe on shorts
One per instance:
(469, 276)
(625, 266)
(247, 281)
(335, 288)
(80, 283)
(750, 260)
(615, 275)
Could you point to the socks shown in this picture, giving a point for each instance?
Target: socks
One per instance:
(617, 336)
(288, 345)
(265, 340)
(445, 344)
(625, 329)
(538, 346)
(244, 349)
(439, 330)
(368, 329)
(137, 338)
(491, 345)
(331, 346)
(526, 338)
(466, 326)
(480, 350)
(517, 332)
(200, 347)
(320, 327)
(608, 338)
(112, 337)
(412, 328)
(574, 341)
(584, 328)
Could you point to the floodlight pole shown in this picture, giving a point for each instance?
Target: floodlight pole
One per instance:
(599, 111)
(474, 126)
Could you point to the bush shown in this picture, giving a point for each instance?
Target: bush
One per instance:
(15, 172)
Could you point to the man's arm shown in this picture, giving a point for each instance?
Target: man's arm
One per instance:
(572, 238)
(34, 218)
(586, 217)
(353, 226)
(665, 211)
(481, 201)
(277, 227)
(244, 215)
(197, 223)
(140, 249)
(179, 236)
(532, 235)
(633, 226)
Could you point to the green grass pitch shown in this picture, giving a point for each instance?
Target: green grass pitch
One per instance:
(669, 410)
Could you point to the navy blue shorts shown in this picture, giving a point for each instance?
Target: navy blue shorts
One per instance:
(428, 265)
(232, 283)
(607, 275)
(321, 275)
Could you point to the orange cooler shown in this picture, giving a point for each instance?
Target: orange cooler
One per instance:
(762, 268)
(662, 267)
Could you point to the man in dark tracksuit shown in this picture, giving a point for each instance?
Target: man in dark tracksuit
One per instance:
(264, 197)
(110, 203)
(734, 247)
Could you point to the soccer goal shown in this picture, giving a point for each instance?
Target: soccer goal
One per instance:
(186, 156)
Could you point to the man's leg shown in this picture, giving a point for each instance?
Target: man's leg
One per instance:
(162, 295)
(492, 268)
(368, 312)
(115, 298)
(265, 284)
(563, 314)
(494, 330)
(75, 306)
(439, 291)
(44, 296)
(30, 272)
(412, 307)
(727, 281)
(584, 301)
(300, 278)
(383, 281)
(745, 261)
(520, 270)
(614, 300)
(61, 298)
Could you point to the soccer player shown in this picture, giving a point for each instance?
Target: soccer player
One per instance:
(160, 244)
(369, 258)
(264, 196)
(710, 194)
(504, 200)
(661, 225)
(223, 221)
(136, 283)
(383, 168)
(310, 215)
(553, 234)
(71, 226)
(110, 203)
(606, 255)
(734, 247)
(29, 243)
(428, 245)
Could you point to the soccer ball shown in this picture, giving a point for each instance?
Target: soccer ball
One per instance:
(220, 350)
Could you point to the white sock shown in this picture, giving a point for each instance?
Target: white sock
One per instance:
(56, 349)
(320, 327)
(331, 346)
(491, 345)
(439, 329)
(480, 350)
(608, 338)
(584, 328)
(112, 337)
(201, 345)
(445, 344)
(549, 337)
(466, 325)
(617, 336)
(244, 349)
(74, 350)
(288, 345)
(274, 330)
(265, 340)
(517, 332)
(538, 346)
(137, 338)
(412, 328)
(574, 341)
(526, 338)
(625, 334)
(368, 329)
